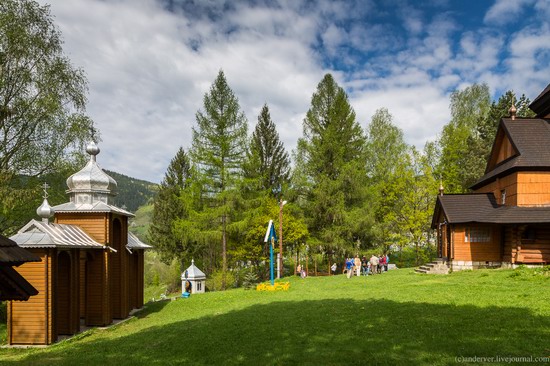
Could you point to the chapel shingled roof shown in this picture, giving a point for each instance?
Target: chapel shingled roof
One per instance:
(483, 208)
(531, 138)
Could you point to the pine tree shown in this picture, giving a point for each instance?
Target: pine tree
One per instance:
(332, 152)
(168, 208)
(267, 161)
(218, 152)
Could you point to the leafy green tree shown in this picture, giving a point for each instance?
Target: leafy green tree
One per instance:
(42, 96)
(385, 141)
(386, 161)
(254, 226)
(42, 105)
(463, 150)
(332, 152)
(218, 152)
(417, 187)
(168, 208)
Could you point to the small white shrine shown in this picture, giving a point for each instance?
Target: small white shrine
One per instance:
(193, 280)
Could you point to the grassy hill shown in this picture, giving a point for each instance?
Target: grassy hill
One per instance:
(395, 318)
(140, 223)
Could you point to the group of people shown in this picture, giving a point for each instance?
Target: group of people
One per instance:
(358, 266)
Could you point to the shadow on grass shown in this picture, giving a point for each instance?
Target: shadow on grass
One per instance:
(330, 332)
(150, 308)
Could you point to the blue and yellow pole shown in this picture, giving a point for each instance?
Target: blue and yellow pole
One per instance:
(271, 260)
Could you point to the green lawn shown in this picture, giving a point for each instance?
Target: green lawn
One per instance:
(396, 318)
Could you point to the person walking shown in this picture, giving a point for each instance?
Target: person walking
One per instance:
(357, 263)
(387, 261)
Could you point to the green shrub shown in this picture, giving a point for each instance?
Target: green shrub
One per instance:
(250, 280)
(214, 283)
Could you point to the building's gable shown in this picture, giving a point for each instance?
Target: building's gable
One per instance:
(503, 149)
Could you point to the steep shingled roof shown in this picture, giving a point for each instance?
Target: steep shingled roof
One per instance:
(531, 137)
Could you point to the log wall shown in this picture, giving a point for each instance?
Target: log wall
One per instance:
(479, 252)
(32, 321)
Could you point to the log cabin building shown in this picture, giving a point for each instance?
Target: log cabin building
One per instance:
(505, 221)
(90, 269)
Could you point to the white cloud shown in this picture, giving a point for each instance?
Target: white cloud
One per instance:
(148, 68)
(505, 11)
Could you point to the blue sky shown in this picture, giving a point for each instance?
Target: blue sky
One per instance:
(150, 62)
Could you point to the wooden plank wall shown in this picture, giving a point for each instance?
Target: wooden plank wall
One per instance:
(95, 224)
(98, 310)
(509, 183)
(139, 282)
(31, 322)
(82, 280)
(533, 188)
(506, 149)
(67, 298)
(132, 271)
(115, 268)
(63, 291)
(479, 252)
(120, 278)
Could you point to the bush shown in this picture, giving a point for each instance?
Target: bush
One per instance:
(214, 283)
(407, 256)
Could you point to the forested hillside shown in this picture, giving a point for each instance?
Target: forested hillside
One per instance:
(132, 192)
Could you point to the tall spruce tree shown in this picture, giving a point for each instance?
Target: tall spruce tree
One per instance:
(267, 172)
(218, 152)
(268, 164)
(168, 208)
(332, 154)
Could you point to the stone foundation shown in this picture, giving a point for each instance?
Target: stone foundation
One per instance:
(470, 265)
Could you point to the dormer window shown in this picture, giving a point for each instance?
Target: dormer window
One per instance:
(503, 197)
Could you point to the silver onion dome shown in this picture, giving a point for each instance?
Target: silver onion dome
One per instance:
(45, 211)
(91, 183)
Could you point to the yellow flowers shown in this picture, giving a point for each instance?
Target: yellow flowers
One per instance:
(283, 286)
